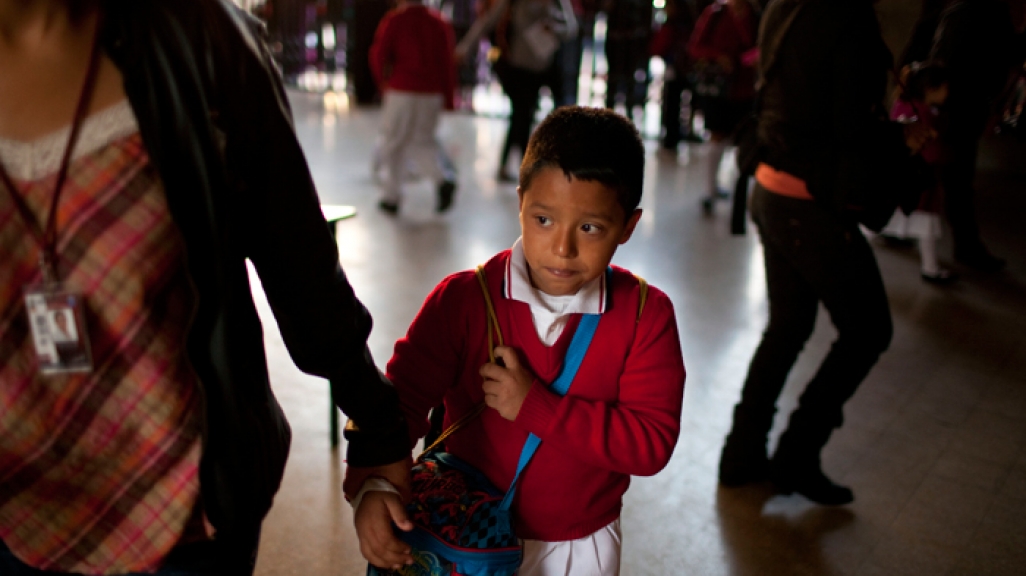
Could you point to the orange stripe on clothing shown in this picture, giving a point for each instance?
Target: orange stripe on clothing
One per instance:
(780, 182)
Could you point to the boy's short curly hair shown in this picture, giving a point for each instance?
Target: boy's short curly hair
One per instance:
(591, 144)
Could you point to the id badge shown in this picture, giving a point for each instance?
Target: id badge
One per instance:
(59, 335)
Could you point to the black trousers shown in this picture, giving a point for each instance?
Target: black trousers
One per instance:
(811, 256)
(522, 87)
(628, 71)
(957, 174)
(674, 126)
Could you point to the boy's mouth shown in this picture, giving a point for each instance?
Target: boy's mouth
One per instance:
(560, 272)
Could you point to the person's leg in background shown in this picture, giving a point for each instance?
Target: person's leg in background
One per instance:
(636, 74)
(928, 232)
(722, 118)
(428, 151)
(792, 316)
(715, 149)
(521, 86)
(570, 54)
(396, 128)
(739, 206)
(957, 174)
(836, 260)
(555, 76)
(616, 56)
(670, 109)
(690, 135)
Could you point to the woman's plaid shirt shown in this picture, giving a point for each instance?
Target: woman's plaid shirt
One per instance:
(99, 473)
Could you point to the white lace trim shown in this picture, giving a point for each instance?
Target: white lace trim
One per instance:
(41, 157)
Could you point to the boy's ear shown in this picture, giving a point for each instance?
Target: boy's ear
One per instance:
(632, 222)
(520, 199)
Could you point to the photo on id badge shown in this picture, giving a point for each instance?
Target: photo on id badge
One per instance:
(58, 331)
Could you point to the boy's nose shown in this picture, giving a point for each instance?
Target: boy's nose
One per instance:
(566, 244)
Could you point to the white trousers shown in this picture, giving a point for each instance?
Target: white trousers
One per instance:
(595, 555)
(407, 136)
(924, 226)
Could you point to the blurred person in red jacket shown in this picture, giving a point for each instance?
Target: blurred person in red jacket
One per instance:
(412, 61)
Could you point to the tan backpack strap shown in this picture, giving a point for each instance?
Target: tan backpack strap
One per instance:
(456, 426)
(492, 327)
(643, 286)
(493, 320)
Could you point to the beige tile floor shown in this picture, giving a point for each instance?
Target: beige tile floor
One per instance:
(934, 440)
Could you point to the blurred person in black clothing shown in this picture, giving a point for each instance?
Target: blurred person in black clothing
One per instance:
(821, 125)
(628, 31)
(979, 44)
(670, 43)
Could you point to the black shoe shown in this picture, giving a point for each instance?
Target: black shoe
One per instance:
(811, 483)
(446, 191)
(390, 208)
(740, 467)
(892, 241)
(980, 259)
(941, 277)
(707, 206)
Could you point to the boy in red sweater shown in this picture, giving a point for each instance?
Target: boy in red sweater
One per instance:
(580, 185)
(412, 60)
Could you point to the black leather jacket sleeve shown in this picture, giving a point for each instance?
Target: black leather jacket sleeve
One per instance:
(323, 323)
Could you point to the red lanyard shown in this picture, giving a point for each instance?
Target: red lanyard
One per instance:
(46, 235)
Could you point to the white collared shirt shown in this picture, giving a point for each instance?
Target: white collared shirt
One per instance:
(550, 313)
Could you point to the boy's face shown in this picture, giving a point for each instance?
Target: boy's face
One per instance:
(571, 229)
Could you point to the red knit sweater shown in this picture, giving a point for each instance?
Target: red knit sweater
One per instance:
(621, 416)
(413, 52)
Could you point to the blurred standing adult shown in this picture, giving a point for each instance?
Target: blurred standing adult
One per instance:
(822, 122)
(978, 43)
(528, 34)
(628, 32)
(412, 60)
(724, 55)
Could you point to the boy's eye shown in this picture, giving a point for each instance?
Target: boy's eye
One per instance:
(543, 220)
(590, 228)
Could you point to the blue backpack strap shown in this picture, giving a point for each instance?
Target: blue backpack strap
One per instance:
(574, 355)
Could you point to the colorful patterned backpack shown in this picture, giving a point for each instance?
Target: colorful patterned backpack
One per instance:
(461, 525)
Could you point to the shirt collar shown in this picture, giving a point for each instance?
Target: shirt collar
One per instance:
(590, 299)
